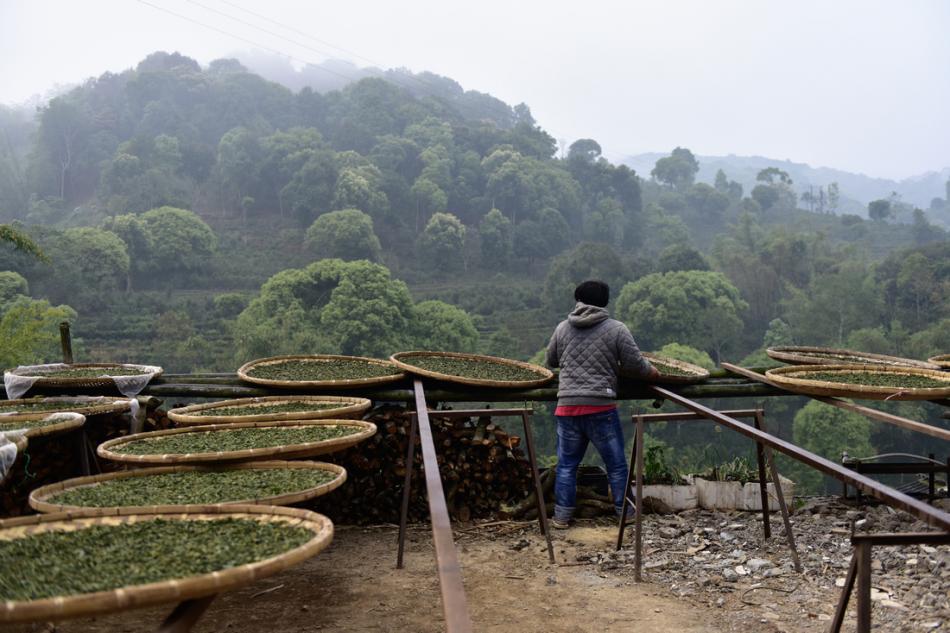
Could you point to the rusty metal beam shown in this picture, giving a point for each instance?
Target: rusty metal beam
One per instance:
(454, 603)
(928, 514)
(895, 420)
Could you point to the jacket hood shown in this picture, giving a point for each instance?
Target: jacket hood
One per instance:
(584, 315)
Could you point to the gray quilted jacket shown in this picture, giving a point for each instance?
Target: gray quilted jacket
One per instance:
(592, 350)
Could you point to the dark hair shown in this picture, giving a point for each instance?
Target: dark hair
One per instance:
(593, 292)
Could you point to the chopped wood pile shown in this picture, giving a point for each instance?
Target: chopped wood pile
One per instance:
(483, 468)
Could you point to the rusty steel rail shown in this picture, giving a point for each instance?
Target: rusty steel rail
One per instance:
(928, 514)
(882, 416)
(454, 603)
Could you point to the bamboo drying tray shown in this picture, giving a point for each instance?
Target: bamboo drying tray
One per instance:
(785, 377)
(88, 406)
(287, 451)
(242, 372)
(802, 355)
(942, 361)
(348, 407)
(59, 423)
(40, 497)
(175, 590)
(403, 360)
(90, 382)
(697, 373)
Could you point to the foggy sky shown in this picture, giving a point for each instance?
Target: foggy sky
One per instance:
(854, 84)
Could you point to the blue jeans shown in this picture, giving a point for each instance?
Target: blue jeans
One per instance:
(573, 435)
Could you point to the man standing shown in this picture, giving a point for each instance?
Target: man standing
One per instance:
(592, 351)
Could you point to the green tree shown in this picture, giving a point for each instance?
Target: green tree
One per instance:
(11, 285)
(138, 242)
(879, 210)
(369, 313)
(181, 242)
(440, 245)
(346, 234)
(87, 263)
(439, 326)
(681, 257)
(29, 331)
(678, 170)
(496, 239)
(697, 308)
(605, 223)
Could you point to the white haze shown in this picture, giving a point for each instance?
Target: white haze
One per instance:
(854, 84)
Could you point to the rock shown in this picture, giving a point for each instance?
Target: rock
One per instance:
(729, 575)
(758, 564)
(668, 532)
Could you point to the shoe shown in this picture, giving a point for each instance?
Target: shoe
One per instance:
(559, 524)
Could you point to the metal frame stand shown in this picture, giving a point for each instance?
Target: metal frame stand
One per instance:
(525, 415)
(860, 570)
(635, 473)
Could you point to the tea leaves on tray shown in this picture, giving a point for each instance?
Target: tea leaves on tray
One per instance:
(266, 409)
(107, 557)
(321, 369)
(33, 407)
(874, 379)
(472, 368)
(849, 358)
(90, 372)
(234, 439)
(30, 424)
(670, 369)
(194, 487)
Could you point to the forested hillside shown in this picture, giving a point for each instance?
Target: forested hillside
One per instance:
(200, 217)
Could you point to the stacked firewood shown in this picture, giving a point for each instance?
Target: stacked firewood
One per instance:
(484, 470)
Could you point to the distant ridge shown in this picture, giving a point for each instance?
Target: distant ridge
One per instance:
(858, 189)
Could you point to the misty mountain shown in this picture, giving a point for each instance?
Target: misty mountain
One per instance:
(857, 190)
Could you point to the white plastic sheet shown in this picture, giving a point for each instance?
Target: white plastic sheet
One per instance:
(22, 379)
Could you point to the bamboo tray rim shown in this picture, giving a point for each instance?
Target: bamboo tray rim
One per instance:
(783, 377)
(287, 451)
(699, 374)
(87, 406)
(940, 360)
(40, 497)
(177, 590)
(350, 382)
(544, 375)
(89, 381)
(351, 405)
(798, 355)
(69, 422)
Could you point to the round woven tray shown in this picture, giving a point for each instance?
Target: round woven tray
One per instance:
(698, 374)
(39, 498)
(287, 451)
(348, 407)
(403, 360)
(942, 361)
(92, 382)
(65, 421)
(801, 355)
(785, 378)
(177, 590)
(316, 358)
(88, 405)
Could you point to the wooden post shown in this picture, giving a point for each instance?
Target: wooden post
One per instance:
(638, 501)
(67, 342)
(763, 486)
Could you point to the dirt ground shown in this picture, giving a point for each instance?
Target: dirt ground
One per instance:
(353, 586)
